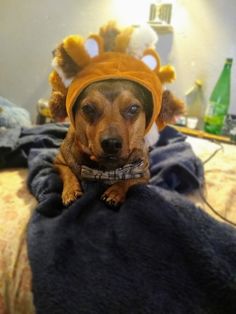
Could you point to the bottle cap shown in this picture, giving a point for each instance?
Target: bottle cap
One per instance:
(198, 82)
(229, 60)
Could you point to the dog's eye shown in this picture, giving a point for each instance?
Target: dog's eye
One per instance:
(133, 110)
(90, 111)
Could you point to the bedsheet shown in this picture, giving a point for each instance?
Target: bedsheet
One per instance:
(220, 176)
(15, 274)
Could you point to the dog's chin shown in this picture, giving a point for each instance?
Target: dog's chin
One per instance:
(114, 161)
(111, 162)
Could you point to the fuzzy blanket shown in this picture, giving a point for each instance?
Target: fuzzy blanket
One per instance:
(158, 253)
(11, 116)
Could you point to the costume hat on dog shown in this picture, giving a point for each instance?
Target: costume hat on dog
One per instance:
(112, 54)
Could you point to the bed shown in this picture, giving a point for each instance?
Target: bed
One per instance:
(15, 275)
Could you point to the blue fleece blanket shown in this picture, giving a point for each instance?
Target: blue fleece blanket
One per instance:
(158, 253)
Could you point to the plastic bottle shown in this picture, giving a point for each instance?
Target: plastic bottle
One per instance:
(195, 104)
(219, 101)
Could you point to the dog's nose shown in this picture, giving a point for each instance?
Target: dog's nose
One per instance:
(111, 145)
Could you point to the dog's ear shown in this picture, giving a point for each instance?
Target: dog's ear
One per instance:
(57, 106)
(57, 98)
(68, 59)
(65, 69)
(170, 108)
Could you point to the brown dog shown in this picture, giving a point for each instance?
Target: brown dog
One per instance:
(107, 142)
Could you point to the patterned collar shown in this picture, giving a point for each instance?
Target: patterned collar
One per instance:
(136, 169)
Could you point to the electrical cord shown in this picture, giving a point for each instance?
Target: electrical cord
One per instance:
(215, 211)
(215, 152)
(221, 148)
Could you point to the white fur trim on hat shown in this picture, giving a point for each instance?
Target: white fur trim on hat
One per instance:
(65, 80)
(142, 38)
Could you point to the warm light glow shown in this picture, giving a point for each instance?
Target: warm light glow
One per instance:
(180, 17)
(137, 12)
(132, 11)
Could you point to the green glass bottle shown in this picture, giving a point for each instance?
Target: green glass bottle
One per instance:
(219, 101)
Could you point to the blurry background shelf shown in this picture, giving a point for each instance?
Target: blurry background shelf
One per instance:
(160, 17)
(161, 28)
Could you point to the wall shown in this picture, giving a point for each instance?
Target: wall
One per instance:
(204, 36)
(30, 30)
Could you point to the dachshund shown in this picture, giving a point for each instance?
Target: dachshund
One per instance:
(107, 141)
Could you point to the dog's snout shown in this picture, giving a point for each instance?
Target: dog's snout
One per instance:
(111, 145)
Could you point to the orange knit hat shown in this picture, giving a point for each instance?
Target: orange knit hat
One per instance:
(115, 65)
(131, 58)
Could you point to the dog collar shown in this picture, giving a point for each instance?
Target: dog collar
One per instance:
(137, 169)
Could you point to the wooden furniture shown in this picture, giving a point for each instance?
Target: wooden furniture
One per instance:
(203, 134)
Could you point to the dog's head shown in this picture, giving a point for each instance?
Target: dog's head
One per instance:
(111, 118)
